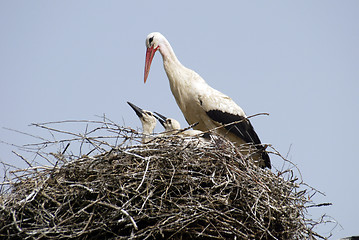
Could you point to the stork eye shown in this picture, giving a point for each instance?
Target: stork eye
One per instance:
(150, 40)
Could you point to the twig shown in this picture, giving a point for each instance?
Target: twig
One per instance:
(15, 221)
(123, 211)
(144, 173)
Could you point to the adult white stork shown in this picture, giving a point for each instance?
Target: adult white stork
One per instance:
(148, 121)
(201, 103)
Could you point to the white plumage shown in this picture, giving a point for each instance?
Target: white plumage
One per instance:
(148, 121)
(201, 103)
(172, 126)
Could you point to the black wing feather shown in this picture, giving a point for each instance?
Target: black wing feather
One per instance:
(242, 128)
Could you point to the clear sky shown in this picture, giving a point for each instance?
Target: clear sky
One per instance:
(296, 60)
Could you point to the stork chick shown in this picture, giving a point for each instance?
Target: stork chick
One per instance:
(172, 126)
(148, 121)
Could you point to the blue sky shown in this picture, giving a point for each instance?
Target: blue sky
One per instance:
(297, 61)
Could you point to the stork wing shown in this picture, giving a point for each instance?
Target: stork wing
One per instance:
(241, 126)
(223, 110)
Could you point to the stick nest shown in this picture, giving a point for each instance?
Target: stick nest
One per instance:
(169, 188)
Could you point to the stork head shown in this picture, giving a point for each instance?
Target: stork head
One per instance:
(169, 124)
(147, 118)
(153, 43)
(172, 124)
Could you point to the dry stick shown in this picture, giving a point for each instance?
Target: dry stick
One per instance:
(172, 175)
(188, 222)
(73, 139)
(47, 159)
(15, 221)
(87, 224)
(186, 128)
(320, 205)
(42, 125)
(286, 160)
(108, 124)
(133, 221)
(24, 133)
(235, 122)
(105, 122)
(144, 174)
(68, 121)
(24, 159)
(81, 210)
(32, 168)
(150, 194)
(67, 146)
(122, 210)
(82, 186)
(13, 145)
(222, 126)
(57, 130)
(83, 140)
(32, 195)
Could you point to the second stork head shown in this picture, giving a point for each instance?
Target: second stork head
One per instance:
(169, 124)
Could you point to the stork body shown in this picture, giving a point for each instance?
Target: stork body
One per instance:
(148, 121)
(201, 103)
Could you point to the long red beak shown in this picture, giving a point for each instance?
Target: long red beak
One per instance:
(150, 53)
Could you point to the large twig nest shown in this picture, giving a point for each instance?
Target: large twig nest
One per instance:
(169, 188)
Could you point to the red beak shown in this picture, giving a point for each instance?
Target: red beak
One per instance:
(150, 53)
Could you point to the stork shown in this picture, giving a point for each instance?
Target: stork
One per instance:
(172, 126)
(148, 121)
(203, 104)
